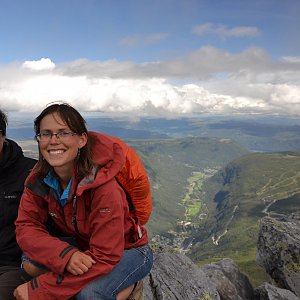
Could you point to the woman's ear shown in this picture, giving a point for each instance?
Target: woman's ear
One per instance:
(82, 140)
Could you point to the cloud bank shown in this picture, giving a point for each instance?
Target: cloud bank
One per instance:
(208, 80)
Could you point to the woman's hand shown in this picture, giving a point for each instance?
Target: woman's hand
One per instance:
(32, 270)
(21, 292)
(79, 263)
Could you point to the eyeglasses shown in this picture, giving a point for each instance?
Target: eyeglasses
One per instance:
(47, 135)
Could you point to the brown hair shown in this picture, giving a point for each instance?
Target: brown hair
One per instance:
(3, 122)
(78, 125)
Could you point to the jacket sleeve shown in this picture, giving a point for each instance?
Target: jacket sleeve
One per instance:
(106, 222)
(33, 237)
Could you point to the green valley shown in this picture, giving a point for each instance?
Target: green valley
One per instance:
(175, 166)
(247, 189)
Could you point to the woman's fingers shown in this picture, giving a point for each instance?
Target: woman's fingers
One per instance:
(79, 263)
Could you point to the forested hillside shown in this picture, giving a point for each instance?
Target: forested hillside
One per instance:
(173, 166)
(247, 189)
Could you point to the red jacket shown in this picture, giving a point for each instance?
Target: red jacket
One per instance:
(104, 222)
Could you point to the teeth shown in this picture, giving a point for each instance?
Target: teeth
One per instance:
(56, 151)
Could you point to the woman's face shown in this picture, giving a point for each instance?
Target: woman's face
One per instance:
(59, 152)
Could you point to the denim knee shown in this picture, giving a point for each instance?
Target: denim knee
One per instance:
(135, 264)
(86, 295)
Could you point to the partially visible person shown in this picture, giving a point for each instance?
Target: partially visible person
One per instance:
(14, 168)
(98, 250)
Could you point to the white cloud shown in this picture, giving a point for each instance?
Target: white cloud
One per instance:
(225, 32)
(200, 64)
(295, 59)
(207, 80)
(39, 65)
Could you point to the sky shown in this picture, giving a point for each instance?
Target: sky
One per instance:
(151, 58)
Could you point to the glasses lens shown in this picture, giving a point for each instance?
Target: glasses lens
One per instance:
(46, 136)
(43, 137)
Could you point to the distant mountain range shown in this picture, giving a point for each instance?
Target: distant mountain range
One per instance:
(256, 133)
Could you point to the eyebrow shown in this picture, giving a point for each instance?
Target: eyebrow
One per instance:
(60, 129)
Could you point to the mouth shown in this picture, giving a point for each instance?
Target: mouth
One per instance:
(56, 151)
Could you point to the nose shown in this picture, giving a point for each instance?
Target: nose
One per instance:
(56, 140)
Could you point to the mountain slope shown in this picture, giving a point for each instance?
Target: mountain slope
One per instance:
(171, 164)
(243, 192)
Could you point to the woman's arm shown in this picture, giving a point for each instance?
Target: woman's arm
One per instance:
(106, 222)
(33, 237)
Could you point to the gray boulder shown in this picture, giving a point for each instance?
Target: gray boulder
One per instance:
(230, 282)
(270, 292)
(278, 250)
(175, 276)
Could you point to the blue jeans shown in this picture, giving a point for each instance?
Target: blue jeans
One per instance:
(135, 264)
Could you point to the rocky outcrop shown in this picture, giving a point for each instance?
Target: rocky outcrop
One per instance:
(270, 292)
(278, 250)
(231, 283)
(175, 276)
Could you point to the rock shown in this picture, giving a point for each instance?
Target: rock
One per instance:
(278, 250)
(175, 276)
(230, 282)
(270, 292)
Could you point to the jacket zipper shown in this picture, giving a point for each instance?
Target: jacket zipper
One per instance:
(74, 213)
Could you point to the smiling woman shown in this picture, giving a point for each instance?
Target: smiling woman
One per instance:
(92, 232)
(59, 145)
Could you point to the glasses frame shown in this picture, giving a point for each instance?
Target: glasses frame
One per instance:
(47, 136)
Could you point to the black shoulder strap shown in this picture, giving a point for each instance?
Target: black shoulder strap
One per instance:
(38, 187)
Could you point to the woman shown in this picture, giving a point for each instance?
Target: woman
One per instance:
(14, 168)
(92, 253)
